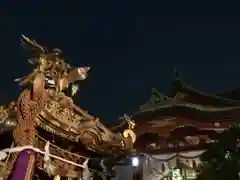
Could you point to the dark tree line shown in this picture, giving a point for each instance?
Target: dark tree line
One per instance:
(222, 159)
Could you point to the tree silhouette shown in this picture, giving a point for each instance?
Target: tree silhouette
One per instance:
(221, 161)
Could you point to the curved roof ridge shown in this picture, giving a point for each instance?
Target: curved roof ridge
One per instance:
(210, 94)
(230, 93)
(216, 95)
(193, 106)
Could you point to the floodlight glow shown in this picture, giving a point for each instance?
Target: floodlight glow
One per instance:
(135, 161)
(176, 174)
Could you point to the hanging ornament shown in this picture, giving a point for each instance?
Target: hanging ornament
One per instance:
(57, 177)
(3, 155)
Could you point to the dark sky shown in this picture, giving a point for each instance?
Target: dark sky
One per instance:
(131, 45)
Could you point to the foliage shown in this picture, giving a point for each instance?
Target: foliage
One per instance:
(222, 159)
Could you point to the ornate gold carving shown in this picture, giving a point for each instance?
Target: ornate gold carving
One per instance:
(3, 113)
(131, 123)
(44, 104)
(57, 177)
(59, 112)
(129, 133)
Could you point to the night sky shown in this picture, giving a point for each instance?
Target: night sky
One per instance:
(131, 45)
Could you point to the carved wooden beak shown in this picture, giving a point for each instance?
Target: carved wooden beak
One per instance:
(78, 74)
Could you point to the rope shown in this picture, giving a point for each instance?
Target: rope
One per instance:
(74, 154)
(3, 154)
(47, 155)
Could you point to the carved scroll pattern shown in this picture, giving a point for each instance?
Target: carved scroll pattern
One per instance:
(28, 109)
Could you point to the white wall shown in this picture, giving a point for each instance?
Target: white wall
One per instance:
(152, 165)
(124, 172)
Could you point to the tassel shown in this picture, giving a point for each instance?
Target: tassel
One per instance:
(57, 177)
(3, 155)
(47, 158)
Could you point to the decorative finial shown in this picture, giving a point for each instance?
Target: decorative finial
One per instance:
(131, 123)
(176, 73)
(154, 90)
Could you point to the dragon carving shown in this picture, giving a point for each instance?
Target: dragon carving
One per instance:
(44, 103)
